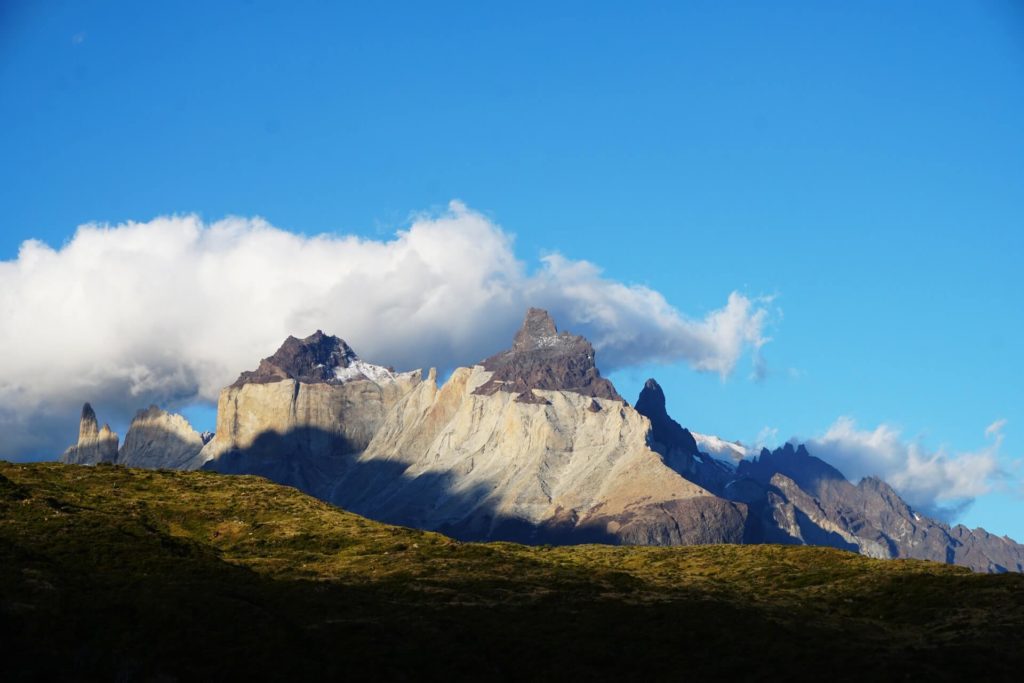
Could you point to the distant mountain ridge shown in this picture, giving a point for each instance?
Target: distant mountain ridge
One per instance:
(530, 445)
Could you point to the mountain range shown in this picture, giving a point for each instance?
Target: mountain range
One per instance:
(530, 445)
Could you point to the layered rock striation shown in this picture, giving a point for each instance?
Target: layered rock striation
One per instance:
(317, 358)
(793, 497)
(488, 466)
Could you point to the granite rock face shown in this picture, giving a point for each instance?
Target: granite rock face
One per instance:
(157, 439)
(489, 467)
(543, 358)
(531, 445)
(303, 414)
(95, 444)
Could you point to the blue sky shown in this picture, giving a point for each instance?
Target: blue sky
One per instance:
(863, 163)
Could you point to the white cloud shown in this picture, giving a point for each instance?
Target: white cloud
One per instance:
(173, 309)
(938, 482)
(995, 430)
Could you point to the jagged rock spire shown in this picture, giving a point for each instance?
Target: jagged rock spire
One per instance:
(536, 329)
(95, 445)
(794, 462)
(88, 426)
(652, 397)
(664, 429)
(541, 357)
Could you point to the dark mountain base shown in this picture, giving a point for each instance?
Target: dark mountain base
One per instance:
(115, 574)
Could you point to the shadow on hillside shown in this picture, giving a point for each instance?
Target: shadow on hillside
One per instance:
(328, 467)
(146, 605)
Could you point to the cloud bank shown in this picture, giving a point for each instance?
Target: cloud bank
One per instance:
(938, 483)
(171, 310)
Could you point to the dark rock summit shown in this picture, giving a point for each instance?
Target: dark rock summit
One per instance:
(541, 357)
(664, 429)
(677, 444)
(313, 359)
(792, 461)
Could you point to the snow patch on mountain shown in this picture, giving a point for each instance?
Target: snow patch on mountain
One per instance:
(358, 369)
(717, 446)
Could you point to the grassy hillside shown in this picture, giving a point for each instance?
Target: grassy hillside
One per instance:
(124, 574)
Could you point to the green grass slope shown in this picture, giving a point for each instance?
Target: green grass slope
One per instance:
(117, 574)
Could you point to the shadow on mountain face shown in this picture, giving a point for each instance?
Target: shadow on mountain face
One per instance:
(308, 459)
(158, 448)
(328, 467)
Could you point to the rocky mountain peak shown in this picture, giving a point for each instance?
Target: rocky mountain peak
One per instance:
(538, 329)
(89, 425)
(95, 445)
(664, 430)
(313, 359)
(159, 439)
(652, 397)
(541, 357)
(794, 462)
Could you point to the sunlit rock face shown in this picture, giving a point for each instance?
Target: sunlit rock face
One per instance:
(530, 445)
(157, 439)
(488, 466)
(95, 444)
(303, 413)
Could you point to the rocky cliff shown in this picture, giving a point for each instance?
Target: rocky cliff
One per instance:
(543, 358)
(303, 414)
(678, 445)
(157, 439)
(95, 444)
(530, 445)
(795, 497)
(489, 466)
